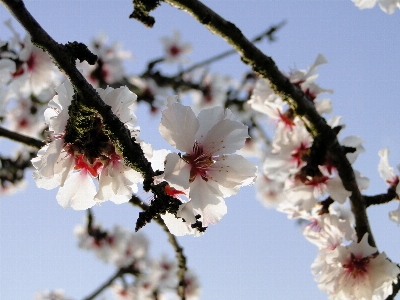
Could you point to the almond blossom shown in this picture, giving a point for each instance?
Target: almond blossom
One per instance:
(118, 245)
(174, 49)
(214, 89)
(358, 271)
(74, 164)
(208, 168)
(109, 67)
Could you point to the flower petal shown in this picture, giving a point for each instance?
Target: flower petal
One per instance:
(177, 171)
(232, 172)
(225, 137)
(78, 191)
(179, 126)
(207, 200)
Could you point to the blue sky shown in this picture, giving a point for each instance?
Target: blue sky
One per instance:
(253, 253)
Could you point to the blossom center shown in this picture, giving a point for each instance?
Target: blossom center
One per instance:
(356, 267)
(174, 50)
(31, 63)
(199, 161)
(300, 155)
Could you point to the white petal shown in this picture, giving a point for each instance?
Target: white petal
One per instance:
(177, 171)
(207, 119)
(187, 212)
(207, 200)
(78, 191)
(324, 106)
(225, 137)
(395, 215)
(47, 183)
(105, 187)
(232, 172)
(179, 126)
(355, 142)
(122, 102)
(362, 249)
(362, 181)
(176, 225)
(158, 159)
(336, 190)
(50, 157)
(384, 169)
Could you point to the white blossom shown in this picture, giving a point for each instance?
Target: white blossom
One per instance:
(357, 271)
(209, 169)
(74, 165)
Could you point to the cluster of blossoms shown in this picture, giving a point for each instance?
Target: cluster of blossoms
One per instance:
(286, 161)
(27, 81)
(73, 162)
(78, 159)
(82, 160)
(129, 252)
(345, 268)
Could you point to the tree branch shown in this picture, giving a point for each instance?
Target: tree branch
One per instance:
(172, 240)
(266, 68)
(21, 138)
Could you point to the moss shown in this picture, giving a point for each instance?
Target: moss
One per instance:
(81, 121)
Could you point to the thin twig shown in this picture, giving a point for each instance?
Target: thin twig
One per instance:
(106, 284)
(172, 240)
(266, 68)
(268, 34)
(382, 198)
(21, 138)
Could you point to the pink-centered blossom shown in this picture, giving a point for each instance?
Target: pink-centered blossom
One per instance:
(174, 49)
(214, 89)
(207, 166)
(109, 67)
(358, 271)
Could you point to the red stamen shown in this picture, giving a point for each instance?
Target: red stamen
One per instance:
(170, 191)
(81, 164)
